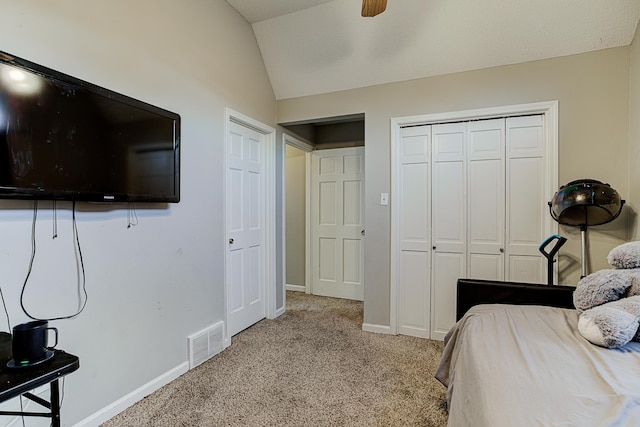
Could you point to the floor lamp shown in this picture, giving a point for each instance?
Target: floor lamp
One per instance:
(583, 203)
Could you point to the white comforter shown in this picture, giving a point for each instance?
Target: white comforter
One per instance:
(512, 366)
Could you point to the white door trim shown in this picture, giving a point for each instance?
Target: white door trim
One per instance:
(307, 148)
(308, 262)
(270, 214)
(548, 109)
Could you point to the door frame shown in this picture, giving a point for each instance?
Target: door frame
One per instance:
(232, 116)
(549, 110)
(291, 140)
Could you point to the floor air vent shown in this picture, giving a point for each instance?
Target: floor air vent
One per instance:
(205, 344)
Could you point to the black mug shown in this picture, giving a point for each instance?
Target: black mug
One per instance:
(30, 342)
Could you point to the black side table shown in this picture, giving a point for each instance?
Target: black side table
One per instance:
(16, 382)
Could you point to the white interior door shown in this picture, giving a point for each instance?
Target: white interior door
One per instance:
(245, 228)
(337, 215)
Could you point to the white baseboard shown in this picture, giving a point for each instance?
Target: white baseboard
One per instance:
(297, 288)
(378, 329)
(123, 403)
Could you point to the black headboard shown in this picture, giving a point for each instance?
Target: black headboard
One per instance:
(472, 292)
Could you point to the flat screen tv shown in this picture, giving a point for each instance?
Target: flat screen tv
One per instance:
(62, 138)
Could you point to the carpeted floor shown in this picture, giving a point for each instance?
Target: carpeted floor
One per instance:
(312, 366)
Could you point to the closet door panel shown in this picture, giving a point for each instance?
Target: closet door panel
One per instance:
(449, 222)
(415, 146)
(487, 267)
(449, 207)
(486, 218)
(486, 139)
(486, 200)
(527, 212)
(449, 142)
(415, 206)
(449, 188)
(414, 232)
(448, 267)
(526, 269)
(525, 137)
(525, 215)
(414, 294)
(415, 194)
(486, 205)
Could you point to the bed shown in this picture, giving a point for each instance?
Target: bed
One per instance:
(516, 364)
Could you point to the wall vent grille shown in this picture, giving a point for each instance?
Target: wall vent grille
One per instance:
(205, 344)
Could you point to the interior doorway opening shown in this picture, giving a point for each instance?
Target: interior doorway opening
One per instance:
(300, 140)
(296, 218)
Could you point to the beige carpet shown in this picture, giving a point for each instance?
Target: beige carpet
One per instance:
(312, 366)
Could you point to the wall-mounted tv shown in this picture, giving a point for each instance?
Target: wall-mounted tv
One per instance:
(62, 138)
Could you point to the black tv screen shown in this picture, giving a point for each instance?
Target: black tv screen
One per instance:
(62, 138)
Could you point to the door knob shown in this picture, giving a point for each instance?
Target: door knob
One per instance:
(362, 232)
(231, 241)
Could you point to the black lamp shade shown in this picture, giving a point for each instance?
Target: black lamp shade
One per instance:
(585, 202)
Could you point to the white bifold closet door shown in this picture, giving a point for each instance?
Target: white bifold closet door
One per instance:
(480, 213)
(469, 208)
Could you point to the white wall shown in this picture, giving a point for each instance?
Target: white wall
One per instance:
(592, 90)
(295, 215)
(634, 134)
(152, 285)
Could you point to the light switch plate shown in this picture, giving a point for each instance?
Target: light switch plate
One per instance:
(384, 199)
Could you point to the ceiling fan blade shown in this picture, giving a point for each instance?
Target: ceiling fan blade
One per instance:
(373, 7)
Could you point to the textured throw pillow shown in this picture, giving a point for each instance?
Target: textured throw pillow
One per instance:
(601, 287)
(627, 255)
(613, 324)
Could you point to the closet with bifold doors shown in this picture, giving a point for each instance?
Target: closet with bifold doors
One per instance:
(473, 205)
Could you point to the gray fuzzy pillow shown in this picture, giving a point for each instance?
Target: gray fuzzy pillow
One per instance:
(627, 255)
(601, 287)
(634, 284)
(613, 324)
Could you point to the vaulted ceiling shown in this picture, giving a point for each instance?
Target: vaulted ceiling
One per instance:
(318, 46)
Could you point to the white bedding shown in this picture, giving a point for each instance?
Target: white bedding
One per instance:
(509, 365)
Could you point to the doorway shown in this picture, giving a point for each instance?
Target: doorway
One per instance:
(315, 139)
(250, 283)
(296, 212)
